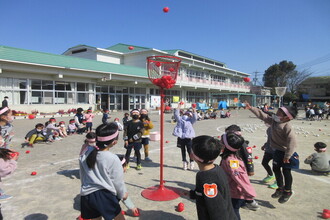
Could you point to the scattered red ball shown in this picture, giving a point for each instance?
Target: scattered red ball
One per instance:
(180, 207)
(256, 157)
(181, 103)
(123, 212)
(136, 213)
(246, 79)
(325, 215)
(33, 173)
(219, 136)
(193, 105)
(167, 142)
(254, 146)
(131, 48)
(27, 152)
(166, 9)
(158, 64)
(32, 116)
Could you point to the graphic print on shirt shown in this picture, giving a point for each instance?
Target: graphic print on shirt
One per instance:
(234, 164)
(210, 190)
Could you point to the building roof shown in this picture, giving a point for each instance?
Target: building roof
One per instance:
(34, 57)
(123, 48)
(318, 80)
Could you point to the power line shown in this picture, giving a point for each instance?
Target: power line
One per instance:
(314, 62)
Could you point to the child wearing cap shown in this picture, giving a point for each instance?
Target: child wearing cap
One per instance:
(241, 191)
(133, 132)
(72, 128)
(62, 129)
(148, 125)
(212, 191)
(185, 132)
(319, 161)
(283, 140)
(89, 120)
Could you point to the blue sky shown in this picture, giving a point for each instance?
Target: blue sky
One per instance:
(247, 35)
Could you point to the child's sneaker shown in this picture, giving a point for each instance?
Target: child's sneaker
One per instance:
(254, 206)
(5, 197)
(185, 165)
(30, 145)
(139, 167)
(273, 186)
(268, 179)
(147, 159)
(192, 165)
(286, 196)
(278, 193)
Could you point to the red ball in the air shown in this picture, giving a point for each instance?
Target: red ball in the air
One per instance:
(246, 79)
(131, 48)
(166, 9)
(193, 105)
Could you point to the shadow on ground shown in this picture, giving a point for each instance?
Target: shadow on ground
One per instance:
(72, 174)
(36, 216)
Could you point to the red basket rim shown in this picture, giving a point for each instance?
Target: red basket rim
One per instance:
(172, 57)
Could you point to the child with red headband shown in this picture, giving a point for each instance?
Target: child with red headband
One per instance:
(90, 141)
(319, 161)
(102, 177)
(6, 128)
(62, 130)
(283, 140)
(241, 190)
(212, 192)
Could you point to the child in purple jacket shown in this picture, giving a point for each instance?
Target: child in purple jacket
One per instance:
(185, 132)
(241, 189)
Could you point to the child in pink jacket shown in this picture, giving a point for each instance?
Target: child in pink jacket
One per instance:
(241, 190)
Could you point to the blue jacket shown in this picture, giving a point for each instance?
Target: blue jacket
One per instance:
(184, 128)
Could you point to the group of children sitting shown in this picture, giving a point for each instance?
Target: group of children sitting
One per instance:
(212, 114)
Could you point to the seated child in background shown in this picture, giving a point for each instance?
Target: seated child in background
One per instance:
(90, 141)
(222, 113)
(35, 135)
(212, 191)
(52, 131)
(72, 128)
(213, 114)
(228, 114)
(319, 161)
(62, 129)
(241, 190)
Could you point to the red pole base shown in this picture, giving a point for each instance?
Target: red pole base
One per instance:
(161, 193)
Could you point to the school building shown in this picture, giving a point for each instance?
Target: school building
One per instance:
(115, 78)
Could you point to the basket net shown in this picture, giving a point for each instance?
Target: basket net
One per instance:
(280, 91)
(163, 70)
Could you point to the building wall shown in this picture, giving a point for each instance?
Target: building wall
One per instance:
(105, 57)
(89, 54)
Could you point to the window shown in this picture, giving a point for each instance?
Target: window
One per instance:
(36, 84)
(61, 86)
(79, 51)
(47, 85)
(36, 97)
(82, 98)
(104, 89)
(82, 87)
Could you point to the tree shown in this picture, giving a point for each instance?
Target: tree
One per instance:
(284, 74)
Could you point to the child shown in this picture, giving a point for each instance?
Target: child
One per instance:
(133, 132)
(120, 126)
(35, 135)
(241, 189)
(320, 161)
(213, 114)
(52, 130)
(89, 120)
(185, 132)
(102, 178)
(6, 128)
(90, 141)
(105, 116)
(62, 129)
(146, 135)
(283, 140)
(125, 119)
(228, 114)
(72, 127)
(212, 191)
(79, 117)
(268, 156)
(222, 113)
(8, 164)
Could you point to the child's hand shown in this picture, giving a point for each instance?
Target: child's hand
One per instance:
(285, 160)
(247, 105)
(125, 196)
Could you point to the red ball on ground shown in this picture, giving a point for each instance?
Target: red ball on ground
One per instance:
(167, 142)
(27, 152)
(254, 146)
(32, 116)
(166, 9)
(180, 207)
(123, 212)
(256, 157)
(136, 213)
(131, 48)
(34, 173)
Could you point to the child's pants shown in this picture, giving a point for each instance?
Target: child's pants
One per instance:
(237, 204)
(184, 144)
(137, 146)
(34, 138)
(265, 160)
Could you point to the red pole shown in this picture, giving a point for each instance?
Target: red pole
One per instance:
(161, 184)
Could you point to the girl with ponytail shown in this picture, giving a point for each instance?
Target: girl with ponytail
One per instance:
(101, 174)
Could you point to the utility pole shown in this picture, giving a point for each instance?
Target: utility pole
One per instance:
(255, 79)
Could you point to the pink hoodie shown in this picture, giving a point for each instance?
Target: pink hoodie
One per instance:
(238, 179)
